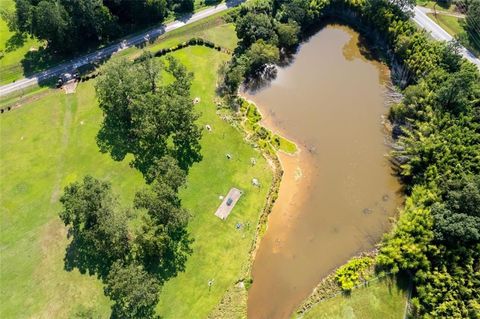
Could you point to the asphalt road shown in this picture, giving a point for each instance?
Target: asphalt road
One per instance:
(109, 50)
(421, 18)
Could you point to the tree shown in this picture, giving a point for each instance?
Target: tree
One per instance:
(145, 118)
(404, 5)
(287, 34)
(50, 22)
(409, 245)
(24, 11)
(260, 54)
(163, 243)
(441, 149)
(253, 26)
(133, 291)
(67, 26)
(458, 91)
(457, 219)
(181, 5)
(472, 23)
(97, 225)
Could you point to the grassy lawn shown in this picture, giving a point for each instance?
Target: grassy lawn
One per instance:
(448, 23)
(48, 143)
(440, 5)
(380, 300)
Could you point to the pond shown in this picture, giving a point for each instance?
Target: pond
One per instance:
(339, 191)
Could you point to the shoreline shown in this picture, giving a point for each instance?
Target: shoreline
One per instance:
(291, 176)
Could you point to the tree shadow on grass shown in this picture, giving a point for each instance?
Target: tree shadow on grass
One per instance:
(37, 61)
(82, 255)
(16, 41)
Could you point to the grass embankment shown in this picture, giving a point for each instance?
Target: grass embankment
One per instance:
(381, 299)
(455, 27)
(438, 5)
(450, 24)
(50, 142)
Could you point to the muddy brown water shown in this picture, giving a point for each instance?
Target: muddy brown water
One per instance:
(338, 193)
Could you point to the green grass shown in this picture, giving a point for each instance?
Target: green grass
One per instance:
(212, 28)
(450, 24)
(382, 299)
(48, 143)
(440, 5)
(220, 250)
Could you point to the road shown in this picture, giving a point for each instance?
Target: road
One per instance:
(111, 49)
(420, 17)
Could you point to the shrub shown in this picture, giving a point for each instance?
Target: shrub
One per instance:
(348, 276)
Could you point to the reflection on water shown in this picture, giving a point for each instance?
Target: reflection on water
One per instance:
(338, 193)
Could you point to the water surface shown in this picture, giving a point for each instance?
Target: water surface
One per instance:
(337, 194)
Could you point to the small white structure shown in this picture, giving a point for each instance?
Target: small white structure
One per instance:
(208, 127)
(196, 100)
(255, 182)
(253, 161)
(229, 156)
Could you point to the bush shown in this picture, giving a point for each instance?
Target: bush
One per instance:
(348, 276)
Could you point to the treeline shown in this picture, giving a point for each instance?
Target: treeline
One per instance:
(135, 250)
(437, 129)
(70, 26)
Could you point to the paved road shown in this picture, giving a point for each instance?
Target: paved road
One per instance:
(421, 18)
(108, 51)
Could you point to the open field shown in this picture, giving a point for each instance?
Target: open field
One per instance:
(50, 142)
(439, 5)
(381, 299)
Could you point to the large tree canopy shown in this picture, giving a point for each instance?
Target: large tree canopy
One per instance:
(146, 118)
(163, 244)
(97, 225)
(458, 216)
(134, 292)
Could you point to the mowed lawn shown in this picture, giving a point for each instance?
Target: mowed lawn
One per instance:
(382, 299)
(49, 143)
